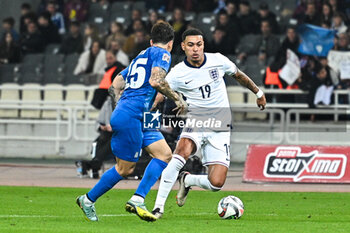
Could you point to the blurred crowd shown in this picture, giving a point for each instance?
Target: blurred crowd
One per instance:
(65, 22)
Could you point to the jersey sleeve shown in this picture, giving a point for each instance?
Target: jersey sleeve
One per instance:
(229, 67)
(171, 79)
(124, 72)
(162, 59)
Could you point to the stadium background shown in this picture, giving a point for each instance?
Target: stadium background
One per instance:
(45, 109)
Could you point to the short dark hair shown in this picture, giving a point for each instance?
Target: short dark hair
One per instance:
(162, 32)
(192, 32)
(26, 6)
(9, 20)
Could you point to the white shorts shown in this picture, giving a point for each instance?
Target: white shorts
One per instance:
(214, 146)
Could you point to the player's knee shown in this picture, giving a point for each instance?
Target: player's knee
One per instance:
(216, 184)
(125, 171)
(183, 152)
(166, 156)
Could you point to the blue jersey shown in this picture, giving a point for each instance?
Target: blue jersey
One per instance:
(138, 94)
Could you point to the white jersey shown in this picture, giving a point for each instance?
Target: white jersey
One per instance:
(204, 86)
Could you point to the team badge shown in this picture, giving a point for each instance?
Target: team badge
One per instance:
(166, 57)
(214, 74)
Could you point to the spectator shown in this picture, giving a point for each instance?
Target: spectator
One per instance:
(129, 44)
(231, 10)
(135, 16)
(7, 26)
(113, 68)
(327, 12)
(56, 17)
(141, 42)
(47, 29)
(9, 50)
(153, 17)
(266, 45)
(76, 10)
(92, 61)
(32, 41)
(73, 42)
(265, 14)
(311, 15)
(290, 42)
(338, 23)
(248, 19)
(221, 5)
(116, 32)
(187, 5)
(341, 42)
(179, 24)
(219, 42)
(90, 34)
(102, 150)
(115, 46)
(27, 15)
(231, 31)
(43, 5)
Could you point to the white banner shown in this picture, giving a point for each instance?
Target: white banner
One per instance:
(291, 70)
(339, 62)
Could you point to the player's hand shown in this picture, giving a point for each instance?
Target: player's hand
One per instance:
(159, 98)
(109, 128)
(261, 102)
(181, 107)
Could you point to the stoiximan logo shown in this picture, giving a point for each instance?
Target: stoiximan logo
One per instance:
(151, 120)
(289, 162)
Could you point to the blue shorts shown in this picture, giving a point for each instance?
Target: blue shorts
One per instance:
(129, 137)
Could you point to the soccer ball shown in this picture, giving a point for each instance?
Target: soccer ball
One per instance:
(230, 207)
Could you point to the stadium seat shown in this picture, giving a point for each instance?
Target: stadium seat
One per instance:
(9, 95)
(254, 69)
(235, 96)
(246, 43)
(190, 16)
(121, 6)
(53, 95)
(7, 73)
(30, 70)
(70, 63)
(206, 23)
(75, 96)
(52, 48)
(53, 68)
(31, 94)
(122, 17)
(139, 5)
(97, 14)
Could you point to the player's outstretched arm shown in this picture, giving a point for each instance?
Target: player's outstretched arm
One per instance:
(245, 81)
(116, 89)
(158, 82)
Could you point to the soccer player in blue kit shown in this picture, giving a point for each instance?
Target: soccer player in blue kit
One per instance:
(134, 91)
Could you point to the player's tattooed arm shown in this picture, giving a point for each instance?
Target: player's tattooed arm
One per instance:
(158, 82)
(245, 81)
(117, 89)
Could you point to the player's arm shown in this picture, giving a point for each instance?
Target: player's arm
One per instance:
(116, 89)
(245, 81)
(158, 82)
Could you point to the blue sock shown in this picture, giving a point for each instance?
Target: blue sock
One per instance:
(150, 177)
(110, 178)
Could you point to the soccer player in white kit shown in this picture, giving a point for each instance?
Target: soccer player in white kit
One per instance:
(200, 79)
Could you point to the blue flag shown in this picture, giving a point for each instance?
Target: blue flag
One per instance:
(315, 40)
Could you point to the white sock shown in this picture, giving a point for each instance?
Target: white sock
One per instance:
(200, 181)
(168, 180)
(86, 201)
(138, 199)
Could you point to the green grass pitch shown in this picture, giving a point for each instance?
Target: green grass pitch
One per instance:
(35, 209)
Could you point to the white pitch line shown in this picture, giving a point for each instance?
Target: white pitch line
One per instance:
(100, 215)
